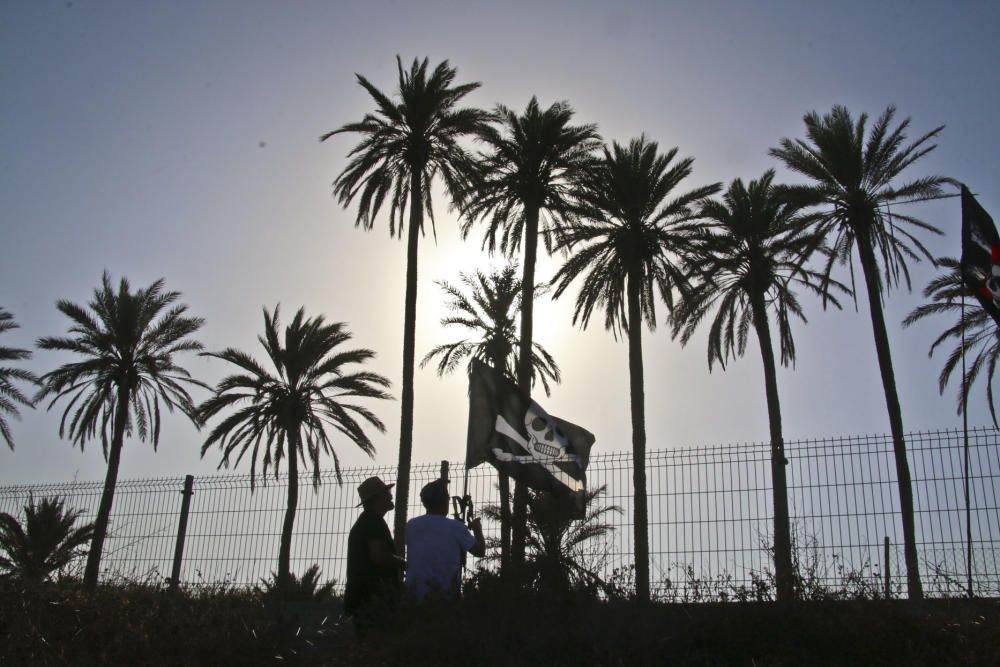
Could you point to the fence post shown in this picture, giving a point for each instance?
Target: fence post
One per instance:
(888, 587)
(444, 470)
(175, 573)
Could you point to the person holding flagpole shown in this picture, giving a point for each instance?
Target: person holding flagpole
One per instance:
(436, 545)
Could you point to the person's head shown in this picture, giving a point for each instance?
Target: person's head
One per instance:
(376, 495)
(435, 497)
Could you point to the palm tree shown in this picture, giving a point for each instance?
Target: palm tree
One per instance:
(626, 251)
(128, 341)
(532, 164)
(558, 559)
(852, 179)
(405, 145)
(9, 394)
(487, 311)
(284, 415)
(974, 331)
(751, 258)
(46, 542)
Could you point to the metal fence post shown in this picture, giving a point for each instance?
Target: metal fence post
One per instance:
(888, 587)
(175, 573)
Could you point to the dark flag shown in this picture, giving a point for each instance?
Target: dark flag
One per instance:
(519, 438)
(980, 254)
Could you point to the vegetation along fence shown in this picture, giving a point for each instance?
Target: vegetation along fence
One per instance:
(709, 511)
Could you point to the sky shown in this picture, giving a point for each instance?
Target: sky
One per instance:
(180, 141)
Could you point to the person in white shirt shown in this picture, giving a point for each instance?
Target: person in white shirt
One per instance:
(435, 545)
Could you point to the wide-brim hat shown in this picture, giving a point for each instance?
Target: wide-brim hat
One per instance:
(372, 487)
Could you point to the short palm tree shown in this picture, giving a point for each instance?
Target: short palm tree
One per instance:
(532, 164)
(628, 249)
(487, 310)
(852, 176)
(559, 556)
(285, 414)
(973, 331)
(750, 260)
(128, 341)
(10, 395)
(46, 542)
(405, 145)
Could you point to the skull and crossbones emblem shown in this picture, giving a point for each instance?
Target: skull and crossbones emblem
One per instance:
(546, 445)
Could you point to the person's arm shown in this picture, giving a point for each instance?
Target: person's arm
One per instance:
(479, 548)
(382, 554)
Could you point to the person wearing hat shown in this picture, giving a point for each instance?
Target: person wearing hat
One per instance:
(435, 545)
(373, 569)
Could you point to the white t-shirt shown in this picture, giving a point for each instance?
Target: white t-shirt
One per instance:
(434, 546)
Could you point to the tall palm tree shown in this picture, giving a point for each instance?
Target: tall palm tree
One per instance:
(852, 184)
(128, 341)
(627, 249)
(10, 395)
(285, 414)
(488, 311)
(750, 259)
(47, 541)
(532, 164)
(406, 144)
(972, 325)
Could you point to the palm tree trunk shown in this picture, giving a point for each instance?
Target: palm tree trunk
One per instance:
(409, 348)
(504, 484)
(93, 568)
(783, 570)
(638, 400)
(870, 268)
(520, 514)
(285, 549)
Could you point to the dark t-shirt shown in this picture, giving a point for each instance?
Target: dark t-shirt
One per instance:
(367, 581)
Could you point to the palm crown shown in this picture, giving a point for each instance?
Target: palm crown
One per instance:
(488, 310)
(632, 232)
(974, 331)
(755, 244)
(286, 413)
(852, 175)
(532, 163)
(419, 135)
(128, 341)
(10, 395)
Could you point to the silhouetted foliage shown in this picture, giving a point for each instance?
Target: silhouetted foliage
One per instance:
(405, 145)
(852, 175)
(45, 542)
(307, 588)
(750, 258)
(128, 340)
(10, 395)
(488, 310)
(284, 415)
(558, 555)
(974, 330)
(627, 248)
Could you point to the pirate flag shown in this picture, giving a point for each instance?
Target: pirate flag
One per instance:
(980, 254)
(517, 437)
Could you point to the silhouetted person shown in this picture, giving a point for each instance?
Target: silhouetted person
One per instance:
(435, 546)
(372, 589)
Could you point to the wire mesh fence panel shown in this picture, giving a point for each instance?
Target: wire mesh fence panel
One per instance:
(710, 513)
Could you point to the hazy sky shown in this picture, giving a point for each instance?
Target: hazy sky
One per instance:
(180, 140)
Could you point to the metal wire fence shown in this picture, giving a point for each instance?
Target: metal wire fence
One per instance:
(710, 517)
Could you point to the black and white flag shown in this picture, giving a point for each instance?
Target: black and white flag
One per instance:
(519, 438)
(980, 254)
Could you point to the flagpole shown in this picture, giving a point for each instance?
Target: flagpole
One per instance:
(965, 421)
